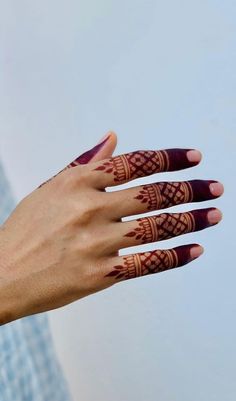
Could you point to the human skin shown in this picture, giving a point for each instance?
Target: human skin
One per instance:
(62, 241)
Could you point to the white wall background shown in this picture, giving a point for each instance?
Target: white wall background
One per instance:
(161, 74)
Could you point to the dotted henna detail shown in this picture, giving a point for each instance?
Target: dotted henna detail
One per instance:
(165, 194)
(146, 263)
(136, 164)
(50, 179)
(72, 164)
(164, 226)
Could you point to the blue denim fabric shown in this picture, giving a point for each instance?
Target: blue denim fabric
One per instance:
(29, 369)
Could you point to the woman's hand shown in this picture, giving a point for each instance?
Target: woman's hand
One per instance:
(61, 243)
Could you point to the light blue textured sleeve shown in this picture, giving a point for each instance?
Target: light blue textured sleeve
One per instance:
(29, 369)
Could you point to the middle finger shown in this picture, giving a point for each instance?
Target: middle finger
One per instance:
(149, 197)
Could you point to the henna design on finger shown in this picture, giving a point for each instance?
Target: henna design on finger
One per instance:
(164, 226)
(142, 264)
(166, 194)
(168, 225)
(87, 156)
(135, 164)
(143, 163)
(151, 262)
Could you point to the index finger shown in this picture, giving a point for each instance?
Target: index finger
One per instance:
(124, 168)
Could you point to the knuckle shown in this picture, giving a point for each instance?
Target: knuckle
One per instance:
(81, 174)
(90, 208)
(67, 178)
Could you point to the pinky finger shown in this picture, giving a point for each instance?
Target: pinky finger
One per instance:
(141, 264)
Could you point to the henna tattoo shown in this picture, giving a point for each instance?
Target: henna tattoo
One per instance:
(143, 163)
(166, 194)
(82, 159)
(50, 179)
(151, 262)
(87, 156)
(168, 225)
(135, 164)
(158, 228)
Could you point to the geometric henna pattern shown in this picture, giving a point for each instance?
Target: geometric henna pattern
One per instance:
(164, 226)
(165, 194)
(151, 262)
(145, 162)
(146, 263)
(135, 164)
(156, 228)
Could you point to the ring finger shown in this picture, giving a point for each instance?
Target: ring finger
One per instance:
(149, 197)
(164, 226)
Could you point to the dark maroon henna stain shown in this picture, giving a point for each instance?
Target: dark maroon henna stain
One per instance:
(87, 156)
(82, 159)
(178, 159)
(143, 163)
(201, 219)
(168, 225)
(151, 262)
(166, 194)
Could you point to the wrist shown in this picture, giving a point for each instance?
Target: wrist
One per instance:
(9, 298)
(8, 311)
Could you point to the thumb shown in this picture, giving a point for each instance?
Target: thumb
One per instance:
(102, 150)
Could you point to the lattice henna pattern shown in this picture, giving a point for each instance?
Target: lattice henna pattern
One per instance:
(151, 262)
(146, 263)
(135, 165)
(165, 194)
(164, 226)
(145, 162)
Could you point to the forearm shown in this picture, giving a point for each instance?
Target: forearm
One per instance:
(10, 300)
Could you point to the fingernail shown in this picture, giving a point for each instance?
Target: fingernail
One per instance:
(87, 156)
(216, 188)
(214, 216)
(194, 156)
(196, 251)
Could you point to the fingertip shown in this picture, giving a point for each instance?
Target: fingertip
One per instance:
(194, 156)
(196, 251)
(106, 146)
(214, 216)
(112, 143)
(179, 159)
(187, 253)
(216, 188)
(113, 137)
